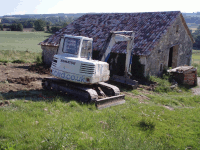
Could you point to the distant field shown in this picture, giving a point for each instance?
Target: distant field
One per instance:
(196, 60)
(193, 29)
(196, 56)
(192, 26)
(22, 41)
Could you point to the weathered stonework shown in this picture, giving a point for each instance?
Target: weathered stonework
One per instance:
(47, 53)
(184, 75)
(180, 43)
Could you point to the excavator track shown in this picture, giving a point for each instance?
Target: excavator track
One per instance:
(102, 94)
(83, 93)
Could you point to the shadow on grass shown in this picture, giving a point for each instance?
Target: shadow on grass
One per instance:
(146, 125)
(122, 87)
(186, 87)
(41, 95)
(127, 88)
(19, 61)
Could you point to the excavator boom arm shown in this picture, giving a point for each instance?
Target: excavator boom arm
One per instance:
(116, 36)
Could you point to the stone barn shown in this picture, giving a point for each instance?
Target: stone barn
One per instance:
(162, 40)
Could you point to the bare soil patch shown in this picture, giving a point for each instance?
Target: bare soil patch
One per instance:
(142, 98)
(39, 69)
(19, 77)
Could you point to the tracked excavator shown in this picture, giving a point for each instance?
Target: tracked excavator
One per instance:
(77, 74)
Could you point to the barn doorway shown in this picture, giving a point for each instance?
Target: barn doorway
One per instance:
(170, 57)
(173, 56)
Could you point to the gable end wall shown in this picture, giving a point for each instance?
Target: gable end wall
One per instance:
(160, 55)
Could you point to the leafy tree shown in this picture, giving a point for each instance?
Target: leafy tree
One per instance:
(65, 24)
(13, 27)
(19, 27)
(197, 41)
(196, 36)
(6, 20)
(1, 27)
(48, 23)
(197, 32)
(39, 25)
(16, 27)
(30, 24)
(6, 26)
(55, 29)
(48, 29)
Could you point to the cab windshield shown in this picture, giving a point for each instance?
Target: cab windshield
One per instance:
(71, 45)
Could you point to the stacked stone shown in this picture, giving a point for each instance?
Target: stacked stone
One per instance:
(185, 75)
(190, 77)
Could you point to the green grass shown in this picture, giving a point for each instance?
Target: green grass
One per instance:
(22, 41)
(13, 56)
(196, 60)
(62, 123)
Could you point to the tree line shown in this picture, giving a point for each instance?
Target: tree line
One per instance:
(196, 36)
(53, 24)
(28, 23)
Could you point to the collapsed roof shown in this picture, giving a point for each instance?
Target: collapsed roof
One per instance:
(148, 28)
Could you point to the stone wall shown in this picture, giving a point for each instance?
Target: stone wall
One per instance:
(47, 53)
(188, 77)
(176, 38)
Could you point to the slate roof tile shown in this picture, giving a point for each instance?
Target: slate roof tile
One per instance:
(148, 28)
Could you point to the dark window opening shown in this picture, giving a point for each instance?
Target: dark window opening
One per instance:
(161, 67)
(170, 57)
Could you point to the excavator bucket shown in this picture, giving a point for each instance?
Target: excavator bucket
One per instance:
(110, 101)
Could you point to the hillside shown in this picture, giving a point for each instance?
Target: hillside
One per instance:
(39, 16)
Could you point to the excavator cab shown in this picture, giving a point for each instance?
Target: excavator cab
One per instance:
(76, 46)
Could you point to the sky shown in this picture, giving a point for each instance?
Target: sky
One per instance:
(16, 7)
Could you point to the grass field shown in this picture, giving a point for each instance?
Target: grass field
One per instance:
(22, 41)
(13, 56)
(196, 60)
(166, 120)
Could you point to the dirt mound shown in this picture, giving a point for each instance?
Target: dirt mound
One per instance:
(5, 103)
(22, 80)
(17, 77)
(39, 69)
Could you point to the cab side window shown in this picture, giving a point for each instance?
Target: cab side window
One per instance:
(86, 49)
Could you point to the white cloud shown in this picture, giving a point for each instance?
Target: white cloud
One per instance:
(20, 12)
(78, 6)
(85, 6)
